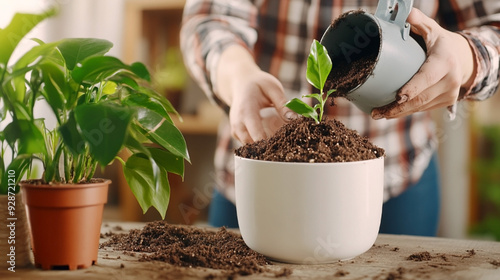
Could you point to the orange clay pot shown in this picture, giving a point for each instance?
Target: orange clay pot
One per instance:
(65, 223)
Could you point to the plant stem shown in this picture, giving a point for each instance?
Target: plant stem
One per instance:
(67, 173)
(79, 163)
(53, 166)
(93, 167)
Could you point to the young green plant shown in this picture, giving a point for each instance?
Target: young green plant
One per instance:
(319, 65)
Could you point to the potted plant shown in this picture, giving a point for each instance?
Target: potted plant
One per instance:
(13, 165)
(318, 210)
(101, 106)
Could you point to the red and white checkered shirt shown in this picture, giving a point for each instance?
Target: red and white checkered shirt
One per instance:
(279, 35)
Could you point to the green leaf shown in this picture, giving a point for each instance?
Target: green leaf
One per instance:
(20, 25)
(159, 130)
(141, 71)
(302, 108)
(34, 55)
(148, 182)
(22, 112)
(55, 86)
(135, 146)
(20, 165)
(75, 50)
(319, 65)
(100, 68)
(3, 113)
(125, 80)
(71, 136)
(328, 93)
(168, 161)
(146, 101)
(104, 127)
(160, 98)
(27, 135)
(314, 95)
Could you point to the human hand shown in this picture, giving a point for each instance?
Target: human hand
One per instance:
(249, 116)
(248, 90)
(448, 68)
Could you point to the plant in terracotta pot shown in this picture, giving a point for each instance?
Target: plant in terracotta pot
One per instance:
(100, 106)
(14, 164)
(312, 192)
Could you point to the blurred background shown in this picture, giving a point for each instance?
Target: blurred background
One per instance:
(148, 31)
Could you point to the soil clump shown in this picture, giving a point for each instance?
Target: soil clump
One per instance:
(186, 246)
(303, 140)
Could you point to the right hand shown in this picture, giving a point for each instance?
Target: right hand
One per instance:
(248, 90)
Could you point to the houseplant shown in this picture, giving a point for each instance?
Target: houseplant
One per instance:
(13, 165)
(101, 106)
(325, 208)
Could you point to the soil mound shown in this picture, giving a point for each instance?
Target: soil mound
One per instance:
(303, 140)
(190, 247)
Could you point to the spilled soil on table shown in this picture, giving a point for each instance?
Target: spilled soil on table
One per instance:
(185, 246)
(187, 252)
(431, 265)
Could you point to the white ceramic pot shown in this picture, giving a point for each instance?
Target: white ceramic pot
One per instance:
(309, 212)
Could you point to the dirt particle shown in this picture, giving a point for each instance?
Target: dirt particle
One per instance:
(117, 228)
(418, 257)
(395, 274)
(285, 272)
(341, 273)
(471, 252)
(495, 263)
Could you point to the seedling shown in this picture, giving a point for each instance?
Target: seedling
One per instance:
(319, 65)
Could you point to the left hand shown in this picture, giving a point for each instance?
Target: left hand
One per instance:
(448, 68)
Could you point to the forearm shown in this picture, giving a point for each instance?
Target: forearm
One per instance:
(485, 44)
(475, 21)
(234, 63)
(210, 27)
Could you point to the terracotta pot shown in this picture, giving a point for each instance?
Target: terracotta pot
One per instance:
(65, 223)
(16, 234)
(309, 212)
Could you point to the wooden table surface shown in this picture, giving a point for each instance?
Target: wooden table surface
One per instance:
(387, 259)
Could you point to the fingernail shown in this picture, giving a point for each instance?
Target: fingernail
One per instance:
(377, 116)
(402, 98)
(290, 115)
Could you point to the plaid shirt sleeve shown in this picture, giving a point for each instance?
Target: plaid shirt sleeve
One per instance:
(479, 23)
(209, 27)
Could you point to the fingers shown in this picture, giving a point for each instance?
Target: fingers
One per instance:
(421, 24)
(438, 95)
(430, 72)
(246, 125)
(260, 91)
(276, 95)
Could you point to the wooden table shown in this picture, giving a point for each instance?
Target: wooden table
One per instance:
(387, 259)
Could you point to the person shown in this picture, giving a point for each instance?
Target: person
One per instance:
(250, 55)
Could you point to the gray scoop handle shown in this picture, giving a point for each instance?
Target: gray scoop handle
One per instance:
(386, 8)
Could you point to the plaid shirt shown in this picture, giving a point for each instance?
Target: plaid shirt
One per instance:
(279, 34)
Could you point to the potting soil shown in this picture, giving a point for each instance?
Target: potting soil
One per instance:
(303, 140)
(190, 247)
